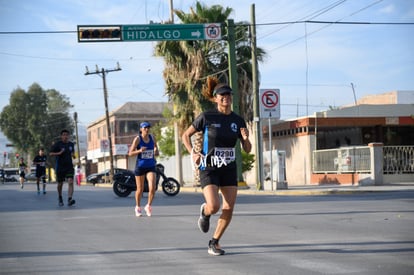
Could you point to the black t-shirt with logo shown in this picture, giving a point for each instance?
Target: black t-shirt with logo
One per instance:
(220, 134)
(64, 161)
(40, 162)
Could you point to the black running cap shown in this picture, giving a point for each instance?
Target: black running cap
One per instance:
(223, 90)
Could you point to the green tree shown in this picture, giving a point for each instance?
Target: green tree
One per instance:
(165, 137)
(189, 63)
(166, 142)
(248, 160)
(35, 118)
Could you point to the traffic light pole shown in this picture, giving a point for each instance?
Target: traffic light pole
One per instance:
(233, 77)
(256, 108)
(75, 117)
(108, 126)
(177, 143)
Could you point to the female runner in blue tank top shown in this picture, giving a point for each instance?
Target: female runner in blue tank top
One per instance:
(145, 148)
(217, 161)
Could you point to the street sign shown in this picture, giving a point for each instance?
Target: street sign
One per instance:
(104, 145)
(151, 32)
(163, 32)
(269, 103)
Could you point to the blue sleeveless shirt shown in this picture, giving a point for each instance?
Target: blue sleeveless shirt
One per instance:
(146, 159)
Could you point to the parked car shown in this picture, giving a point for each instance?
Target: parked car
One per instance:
(2, 175)
(31, 176)
(100, 177)
(9, 175)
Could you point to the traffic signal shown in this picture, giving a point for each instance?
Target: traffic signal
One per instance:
(99, 33)
(17, 155)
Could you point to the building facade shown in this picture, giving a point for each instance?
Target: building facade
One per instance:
(124, 123)
(386, 118)
(385, 121)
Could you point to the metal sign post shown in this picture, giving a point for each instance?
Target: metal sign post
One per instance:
(270, 107)
(270, 151)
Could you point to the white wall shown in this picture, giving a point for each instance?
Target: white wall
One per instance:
(298, 158)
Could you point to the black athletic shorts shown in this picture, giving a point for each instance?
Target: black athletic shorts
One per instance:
(219, 176)
(139, 171)
(40, 173)
(63, 174)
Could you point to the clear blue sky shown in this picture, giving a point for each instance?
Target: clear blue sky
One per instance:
(312, 73)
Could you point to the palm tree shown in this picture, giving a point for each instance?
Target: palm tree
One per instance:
(189, 63)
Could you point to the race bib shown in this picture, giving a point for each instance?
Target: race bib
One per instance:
(226, 153)
(149, 154)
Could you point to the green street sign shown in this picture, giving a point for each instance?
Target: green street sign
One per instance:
(164, 32)
(152, 32)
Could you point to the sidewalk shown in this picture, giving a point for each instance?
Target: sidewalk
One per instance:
(308, 190)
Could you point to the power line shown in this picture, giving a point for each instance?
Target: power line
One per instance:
(103, 72)
(37, 32)
(260, 24)
(337, 22)
(70, 59)
(310, 16)
(327, 23)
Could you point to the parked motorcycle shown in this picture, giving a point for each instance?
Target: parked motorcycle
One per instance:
(124, 183)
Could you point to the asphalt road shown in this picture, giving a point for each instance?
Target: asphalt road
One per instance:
(365, 233)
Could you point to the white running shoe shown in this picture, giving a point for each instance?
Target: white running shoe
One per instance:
(148, 210)
(138, 211)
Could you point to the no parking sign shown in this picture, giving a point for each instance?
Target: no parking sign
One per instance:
(269, 103)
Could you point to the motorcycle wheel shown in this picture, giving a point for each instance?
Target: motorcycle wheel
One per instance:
(170, 187)
(120, 190)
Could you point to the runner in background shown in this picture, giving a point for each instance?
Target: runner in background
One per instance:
(40, 162)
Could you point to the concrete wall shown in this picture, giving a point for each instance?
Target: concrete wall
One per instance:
(298, 157)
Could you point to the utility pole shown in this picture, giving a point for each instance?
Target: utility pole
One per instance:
(353, 91)
(177, 144)
(171, 12)
(75, 117)
(235, 87)
(103, 72)
(256, 108)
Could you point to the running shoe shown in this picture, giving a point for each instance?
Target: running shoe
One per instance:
(138, 211)
(61, 202)
(148, 210)
(38, 192)
(44, 192)
(213, 249)
(71, 202)
(203, 221)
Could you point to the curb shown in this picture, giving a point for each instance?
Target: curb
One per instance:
(303, 192)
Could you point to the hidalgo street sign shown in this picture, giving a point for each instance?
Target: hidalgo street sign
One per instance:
(160, 32)
(152, 32)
